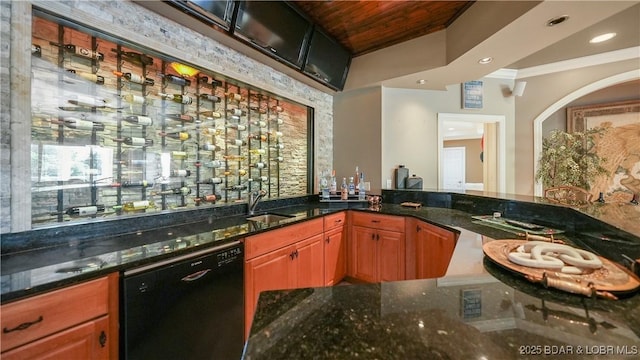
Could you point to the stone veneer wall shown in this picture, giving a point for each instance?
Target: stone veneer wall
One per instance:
(127, 20)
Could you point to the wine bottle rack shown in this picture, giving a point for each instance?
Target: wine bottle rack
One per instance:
(118, 131)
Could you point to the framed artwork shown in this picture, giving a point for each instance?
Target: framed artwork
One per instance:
(472, 95)
(618, 146)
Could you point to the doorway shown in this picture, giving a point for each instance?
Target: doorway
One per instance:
(489, 132)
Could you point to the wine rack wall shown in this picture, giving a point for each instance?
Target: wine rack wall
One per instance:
(118, 131)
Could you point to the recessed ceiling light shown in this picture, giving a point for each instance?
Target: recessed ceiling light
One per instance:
(485, 61)
(603, 37)
(557, 20)
(421, 82)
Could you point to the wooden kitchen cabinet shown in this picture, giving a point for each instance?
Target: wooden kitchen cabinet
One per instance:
(335, 248)
(77, 322)
(429, 248)
(286, 258)
(376, 247)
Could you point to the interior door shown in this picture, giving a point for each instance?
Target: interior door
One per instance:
(453, 168)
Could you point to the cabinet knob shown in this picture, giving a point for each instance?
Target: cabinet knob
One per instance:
(103, 338)
(375, 221)
(418, 229)
(328, 239)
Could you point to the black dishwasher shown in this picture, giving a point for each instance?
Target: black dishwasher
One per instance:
(189, 307)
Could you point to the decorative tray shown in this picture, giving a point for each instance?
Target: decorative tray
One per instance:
(515, 226)
(606, 281)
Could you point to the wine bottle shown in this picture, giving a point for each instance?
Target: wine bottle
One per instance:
(178, 80)
(175, 191)
(240, 172)
(178, 98)
(140, 183)
(211, 198)
(137, 205)
(84, 210)
(234, 157)
(278, 146)
(181, 173)
(211, 131)
(236, 126)
(257, 108)
(210, 147)
(278, 159)
(357, 181)
(88, 101)
(210, 97)
(258, 151)
(178, 155)
(213, 164)
(138, 120)
(237, 112)
(259, 137)
(233, 118)
(135, 57)
(278, 121)
(181, 135)
(259, 165)
(135, 141)
(212, 181)
(236, 142)
(262, 179)
(79, 124)
(36, 50)
(180, 117)
(88, 76)
(259, 123)
(135, 78)
(236, 188)
(136, 99)
(211, 114)
(276, 134)
(80, 51)
(234, 96)
(277, 108)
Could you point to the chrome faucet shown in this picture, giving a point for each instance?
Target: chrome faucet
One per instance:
(254, 199)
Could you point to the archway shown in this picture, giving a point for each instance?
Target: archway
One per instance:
(537, 122)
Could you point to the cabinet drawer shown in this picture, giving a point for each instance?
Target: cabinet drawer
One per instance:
(257, 245)
(378, 221)
(334, 220)
(52, 312)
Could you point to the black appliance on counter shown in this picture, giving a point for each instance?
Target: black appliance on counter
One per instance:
(190, 307)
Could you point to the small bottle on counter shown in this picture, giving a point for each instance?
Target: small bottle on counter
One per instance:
(352, 186)
(361, 190)
(344, 190)
(333, 188)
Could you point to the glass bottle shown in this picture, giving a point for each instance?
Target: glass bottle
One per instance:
(135, 78)
(95, 78)
(84, 210)
(177, 98)
(139, 120)
(352, 186)
(344, 190)
(333, 188)
(137, 205)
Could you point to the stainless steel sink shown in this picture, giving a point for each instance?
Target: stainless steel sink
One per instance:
(269, 218)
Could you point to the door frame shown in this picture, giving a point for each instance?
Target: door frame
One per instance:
(477, 118)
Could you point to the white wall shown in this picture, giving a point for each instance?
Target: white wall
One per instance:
(410, 127)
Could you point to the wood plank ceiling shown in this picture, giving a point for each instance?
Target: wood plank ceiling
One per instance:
(364, 26)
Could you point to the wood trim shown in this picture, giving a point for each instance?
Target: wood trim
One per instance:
(577, 115)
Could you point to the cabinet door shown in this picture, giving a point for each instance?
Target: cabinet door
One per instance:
(85, 341)
(267, 272)
(309, 262)
(363, 255)
(434, 248)
(391, 255)
(335, 256)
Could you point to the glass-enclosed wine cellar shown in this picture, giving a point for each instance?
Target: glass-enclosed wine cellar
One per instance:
(118, 129)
